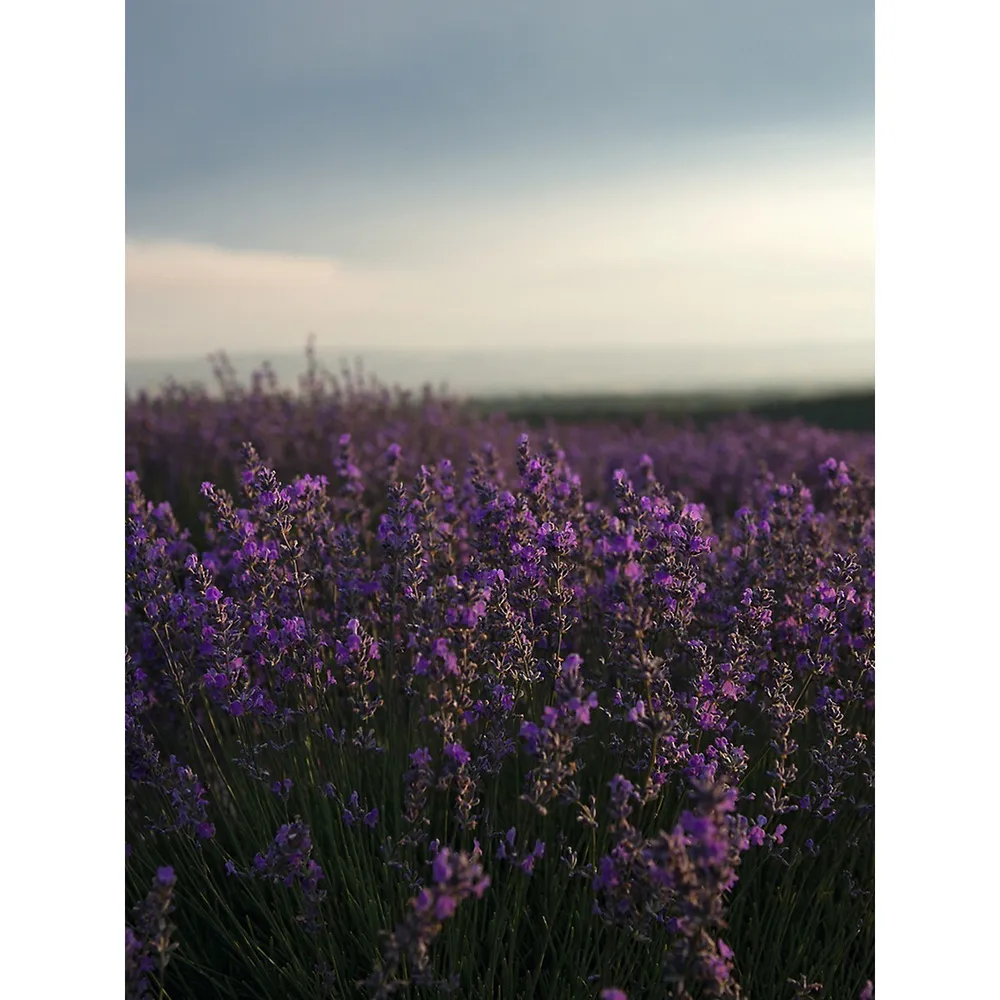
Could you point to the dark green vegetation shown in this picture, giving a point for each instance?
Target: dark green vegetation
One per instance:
(842, 411)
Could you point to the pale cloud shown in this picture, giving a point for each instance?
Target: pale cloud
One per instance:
(187, 299)
(175, 266)
(768, 251)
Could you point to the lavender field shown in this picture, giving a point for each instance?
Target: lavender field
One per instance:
(422, 702)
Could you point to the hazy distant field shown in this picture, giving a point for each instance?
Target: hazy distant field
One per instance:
(816, 369)
(826, 391)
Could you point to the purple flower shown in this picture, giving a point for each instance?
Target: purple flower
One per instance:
(440, 866)
(288, 863)
(282, 788)
(531, 734)
(613, 994)
(581, 709)
(502, 696)
(632, 571)
(150, 936)
(528, 863)
(457, 753)
(607, 875)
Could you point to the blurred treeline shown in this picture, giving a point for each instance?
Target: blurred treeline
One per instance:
(847, 411)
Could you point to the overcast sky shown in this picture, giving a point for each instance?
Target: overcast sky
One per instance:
(441, 174)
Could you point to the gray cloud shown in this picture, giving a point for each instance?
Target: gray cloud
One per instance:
(240, 95)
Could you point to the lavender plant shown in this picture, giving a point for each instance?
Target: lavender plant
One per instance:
(588, 720)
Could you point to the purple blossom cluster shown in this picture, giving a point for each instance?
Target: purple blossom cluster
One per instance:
(182, 797)
(342, 425)
(288, 863)
(678, 879)
(148, 944)
(525, 860)
(553, 740)
(353, 812)
(660, 638)
(455, 876)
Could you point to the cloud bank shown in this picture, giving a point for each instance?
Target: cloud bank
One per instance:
(738, 250)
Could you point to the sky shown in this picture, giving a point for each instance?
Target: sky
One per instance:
(454, 176)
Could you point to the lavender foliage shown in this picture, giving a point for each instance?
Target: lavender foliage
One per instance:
(636, 665)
